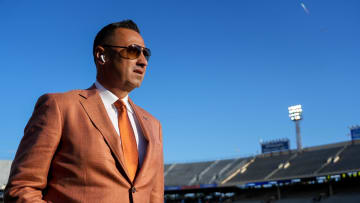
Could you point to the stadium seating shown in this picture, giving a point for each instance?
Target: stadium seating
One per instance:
(291, 164)
(220, 170)
(306, 163)
(212, 172)
(166, 166)
(349, 160)
(296, 176)
(183, 174)
(262, 166)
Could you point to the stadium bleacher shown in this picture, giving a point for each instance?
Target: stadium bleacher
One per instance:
(308, 162)
(213, 172)
(219, 170)
(260, 168)
(312, 159)
(184, 174)
(323, 166)
(348, 159)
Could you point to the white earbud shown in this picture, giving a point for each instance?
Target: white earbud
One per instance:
(102, 58)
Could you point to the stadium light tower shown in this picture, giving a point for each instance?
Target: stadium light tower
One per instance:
(295, 114)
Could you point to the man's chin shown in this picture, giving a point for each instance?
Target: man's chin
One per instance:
(134, 84)
(138, 84)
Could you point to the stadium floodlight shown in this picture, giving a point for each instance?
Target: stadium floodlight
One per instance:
(295, 114)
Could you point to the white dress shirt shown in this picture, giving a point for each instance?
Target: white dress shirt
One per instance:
(108, 99)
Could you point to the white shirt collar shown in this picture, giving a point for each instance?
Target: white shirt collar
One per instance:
(109, 98)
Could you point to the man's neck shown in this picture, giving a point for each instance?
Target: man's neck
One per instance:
(120, 93)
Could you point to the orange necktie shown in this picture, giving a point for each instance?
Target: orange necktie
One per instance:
(128, 142)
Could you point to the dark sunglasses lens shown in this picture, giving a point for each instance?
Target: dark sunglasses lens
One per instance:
(133, 51)
(147, 53)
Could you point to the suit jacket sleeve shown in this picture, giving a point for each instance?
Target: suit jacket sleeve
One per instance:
(29, 170)
(157, 193)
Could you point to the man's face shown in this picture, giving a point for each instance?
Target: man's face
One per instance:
(120, 72)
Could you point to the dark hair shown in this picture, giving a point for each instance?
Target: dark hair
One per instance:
(105, 34)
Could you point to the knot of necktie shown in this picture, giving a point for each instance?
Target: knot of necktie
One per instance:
(119, 105)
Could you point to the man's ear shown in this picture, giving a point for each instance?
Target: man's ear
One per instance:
(100, 55)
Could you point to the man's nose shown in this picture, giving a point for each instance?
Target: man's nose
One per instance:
(142, 60)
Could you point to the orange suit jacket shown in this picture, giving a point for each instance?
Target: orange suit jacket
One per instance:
(71, 152)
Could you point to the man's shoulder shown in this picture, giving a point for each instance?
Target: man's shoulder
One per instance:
(146, 113)
(63, 95)
(66, 97)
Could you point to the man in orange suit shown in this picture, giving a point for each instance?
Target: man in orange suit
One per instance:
(94, 145)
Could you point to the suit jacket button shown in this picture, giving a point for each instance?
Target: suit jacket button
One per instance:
(133, 189)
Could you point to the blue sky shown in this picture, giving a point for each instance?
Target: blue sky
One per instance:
(221, 75)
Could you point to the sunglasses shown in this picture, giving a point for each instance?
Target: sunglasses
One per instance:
(133, 51)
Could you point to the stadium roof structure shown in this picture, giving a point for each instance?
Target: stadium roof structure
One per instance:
(320, 162)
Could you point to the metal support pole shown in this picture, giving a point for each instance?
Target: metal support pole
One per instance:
(298, 136)
(278, 192)
(331, 192)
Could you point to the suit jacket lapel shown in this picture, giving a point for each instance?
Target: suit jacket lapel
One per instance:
(147, 132)
(92, 104)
